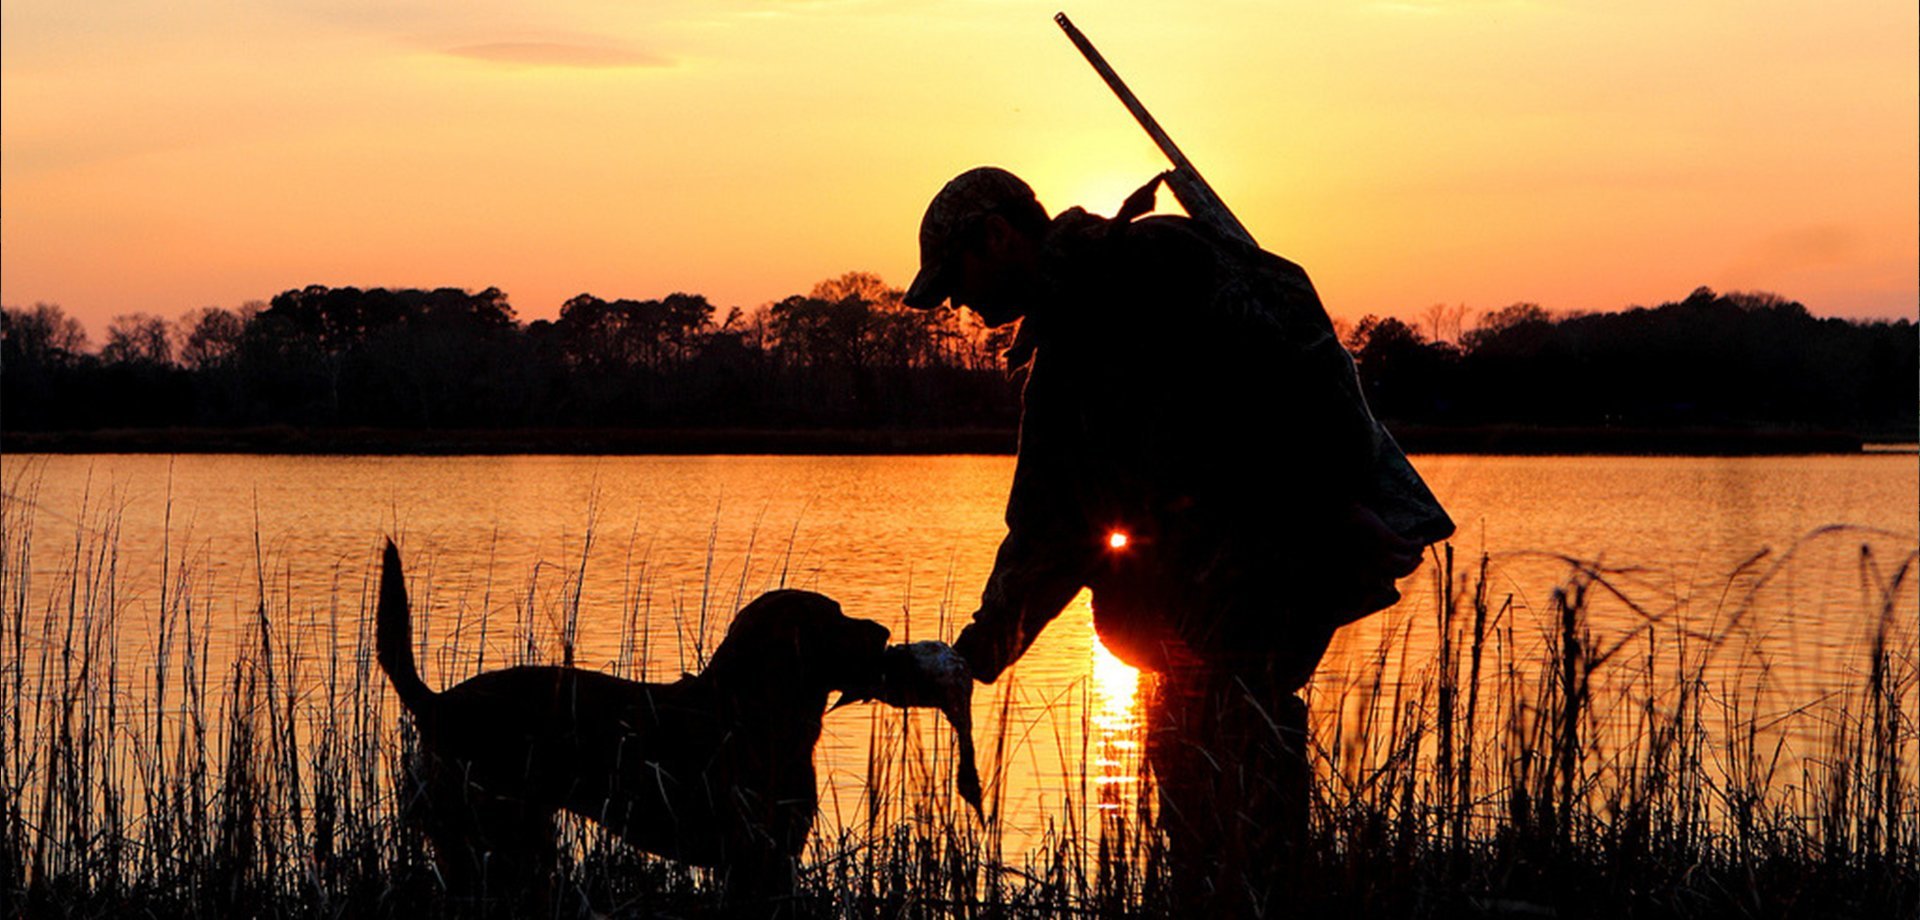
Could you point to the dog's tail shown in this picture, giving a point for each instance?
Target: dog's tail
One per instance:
(394, 635)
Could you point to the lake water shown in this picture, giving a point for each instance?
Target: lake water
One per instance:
(675, 544)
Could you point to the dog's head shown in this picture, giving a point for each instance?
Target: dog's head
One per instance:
(804, 636)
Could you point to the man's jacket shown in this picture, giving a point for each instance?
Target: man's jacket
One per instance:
(1189, 392)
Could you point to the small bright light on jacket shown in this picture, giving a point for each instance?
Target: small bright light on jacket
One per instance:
(1117, 539)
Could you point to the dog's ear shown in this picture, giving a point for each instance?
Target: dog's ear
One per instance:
(855, 653)
(804, 636)
(763, 642)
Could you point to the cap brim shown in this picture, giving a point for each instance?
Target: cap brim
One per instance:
(929, 288)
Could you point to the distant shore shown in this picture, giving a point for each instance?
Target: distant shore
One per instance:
(690, 441)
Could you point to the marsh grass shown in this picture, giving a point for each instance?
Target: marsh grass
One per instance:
(248, 769)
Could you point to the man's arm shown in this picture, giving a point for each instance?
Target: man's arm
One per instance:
(1029, 586)
(1048, 551)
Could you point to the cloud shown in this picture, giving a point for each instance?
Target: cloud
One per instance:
(1814, 246)
(1438, 7)
(558, 54)
(1772, 259)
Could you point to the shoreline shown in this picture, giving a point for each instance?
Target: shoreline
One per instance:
(1417, 439)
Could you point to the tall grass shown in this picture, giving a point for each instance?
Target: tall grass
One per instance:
(1616, 775)
(249, 769)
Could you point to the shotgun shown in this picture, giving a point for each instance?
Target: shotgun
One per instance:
(1192, 191)
(1401, 498)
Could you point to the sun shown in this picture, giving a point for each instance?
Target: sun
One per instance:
(1069, 183)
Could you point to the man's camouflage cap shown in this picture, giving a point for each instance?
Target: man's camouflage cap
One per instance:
(969, 196)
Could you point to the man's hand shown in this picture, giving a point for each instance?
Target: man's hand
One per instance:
(975, 647)
(1360, 559)
(1376, 549)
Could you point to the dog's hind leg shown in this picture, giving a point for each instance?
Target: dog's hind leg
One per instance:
(496, 853)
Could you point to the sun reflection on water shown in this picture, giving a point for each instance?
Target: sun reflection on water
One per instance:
(1116, 721)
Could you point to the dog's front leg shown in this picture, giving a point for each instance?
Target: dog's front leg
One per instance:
(760, 883)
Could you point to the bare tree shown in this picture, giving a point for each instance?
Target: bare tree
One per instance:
(1444, 323)
(210, 336)
(42, 334)
(138, 338)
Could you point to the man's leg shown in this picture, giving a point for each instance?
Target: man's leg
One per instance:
(1228, 751)
(1182, 754)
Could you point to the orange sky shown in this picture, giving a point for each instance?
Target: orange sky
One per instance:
(160, 157)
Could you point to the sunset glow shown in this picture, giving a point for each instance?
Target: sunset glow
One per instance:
(165, 157)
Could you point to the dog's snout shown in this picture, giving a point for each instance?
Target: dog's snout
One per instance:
(870, 644)
(863, 658)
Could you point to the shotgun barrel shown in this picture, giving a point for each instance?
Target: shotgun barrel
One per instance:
(1193, 192)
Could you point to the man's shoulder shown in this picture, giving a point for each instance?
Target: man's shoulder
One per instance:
(1142, 255)
(1079, 229)
(1220, 283)
(1156, 243)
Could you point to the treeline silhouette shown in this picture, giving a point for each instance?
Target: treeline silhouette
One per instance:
(1710, 360)
(848, 355)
